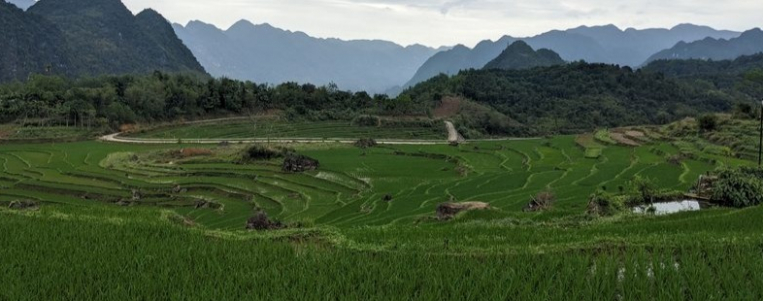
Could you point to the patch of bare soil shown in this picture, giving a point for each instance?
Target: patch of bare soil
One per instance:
(449, 106)
(622, 139)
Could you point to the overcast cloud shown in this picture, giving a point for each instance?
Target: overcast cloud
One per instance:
(450, 22)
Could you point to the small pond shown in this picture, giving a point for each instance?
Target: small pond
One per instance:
(671, 207)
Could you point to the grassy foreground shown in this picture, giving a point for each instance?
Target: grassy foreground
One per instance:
(104, 253)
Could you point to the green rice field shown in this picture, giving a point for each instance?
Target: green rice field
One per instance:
(424, 130)
(123, 221)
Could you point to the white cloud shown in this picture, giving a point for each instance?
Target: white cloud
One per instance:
(449, 22)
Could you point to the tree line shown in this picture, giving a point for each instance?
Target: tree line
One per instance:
(110, 101)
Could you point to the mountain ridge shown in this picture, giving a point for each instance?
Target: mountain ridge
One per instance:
(603, 44)
(294, 56)
(748, 43)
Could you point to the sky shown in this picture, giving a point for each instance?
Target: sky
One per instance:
(450, 22)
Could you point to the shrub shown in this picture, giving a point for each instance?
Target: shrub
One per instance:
(299, 163)
(739, 187)
(605, 204)
(365, 143)
(644, 188)
(258, 152)
(544, 200)
(707, 123)
(366, 120)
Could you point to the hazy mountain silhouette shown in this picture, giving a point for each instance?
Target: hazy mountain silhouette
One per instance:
(750, 42)
(519, 55)
(265, 54)
(22, 4)
(605, 44)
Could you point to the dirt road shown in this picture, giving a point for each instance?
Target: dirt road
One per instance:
(453, 136)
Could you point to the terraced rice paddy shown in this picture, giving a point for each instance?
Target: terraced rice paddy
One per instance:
(350, 186)
(284, 129)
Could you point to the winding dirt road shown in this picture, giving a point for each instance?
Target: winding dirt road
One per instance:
(453, 136)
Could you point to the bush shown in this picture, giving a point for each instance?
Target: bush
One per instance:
(544, 200)
(707, 123)
(644, 189)
(365, 143)
(258, 152)
(739, 187)
(366, 120)
(605, 204)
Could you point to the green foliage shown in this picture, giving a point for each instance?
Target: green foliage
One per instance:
(366, 120)
(579, 97)
(739, 187)
(605, 204)
(707, 123)
(259, 152)
(644, 188)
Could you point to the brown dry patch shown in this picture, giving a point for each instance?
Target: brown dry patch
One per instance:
(191, 152)
(634, 134)
(128, 128)
(622, 139)
(447, 211)
(448, 106)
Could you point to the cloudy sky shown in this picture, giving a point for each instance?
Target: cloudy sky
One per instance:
(449, 22)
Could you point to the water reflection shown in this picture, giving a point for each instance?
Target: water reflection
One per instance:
(669, 207)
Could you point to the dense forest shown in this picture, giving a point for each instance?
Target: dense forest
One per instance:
(582, 96)
(110, 101)
(546, 100)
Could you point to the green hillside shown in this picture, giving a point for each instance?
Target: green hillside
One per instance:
(87, 38)
(519, 55)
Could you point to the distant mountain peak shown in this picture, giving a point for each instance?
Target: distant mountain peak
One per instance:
(748, 43)
(519, 55)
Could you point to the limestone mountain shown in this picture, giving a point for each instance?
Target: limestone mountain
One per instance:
(28, 43)
(266, 54)
(88, 37)
(748, 43)
(602, 44)
(519, 55)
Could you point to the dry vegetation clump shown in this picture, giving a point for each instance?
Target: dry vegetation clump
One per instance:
(544, 200)
(621, 138)
(446, 211)
(299, 163)
(190, 152)
(23, 205)
(261, 222)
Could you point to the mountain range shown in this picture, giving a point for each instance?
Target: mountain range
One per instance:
(748, 43)
(602, 44)
(265, 54)
(87, 38)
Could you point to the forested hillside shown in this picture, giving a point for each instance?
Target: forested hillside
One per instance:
(581, 96)
(87, 38)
